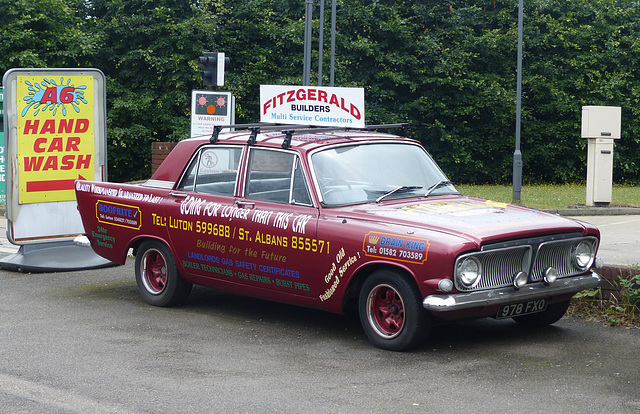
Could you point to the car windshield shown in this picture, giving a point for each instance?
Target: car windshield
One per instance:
(366, 173)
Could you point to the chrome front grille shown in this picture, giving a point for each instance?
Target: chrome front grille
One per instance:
(500, 266)
(557, 254)
(499, 263)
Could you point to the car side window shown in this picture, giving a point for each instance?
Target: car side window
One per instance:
(276, 176)
(213, 171)
(300, 194)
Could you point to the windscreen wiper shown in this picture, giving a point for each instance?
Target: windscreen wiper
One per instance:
(437, 185)
(397, 189)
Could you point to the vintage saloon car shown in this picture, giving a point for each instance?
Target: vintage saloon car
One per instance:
(337, 220)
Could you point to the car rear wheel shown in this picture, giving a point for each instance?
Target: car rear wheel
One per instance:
(553, 314)
(391, 313)
(157, 275)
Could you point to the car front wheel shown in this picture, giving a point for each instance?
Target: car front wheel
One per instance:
(391, 313)
(157, 275)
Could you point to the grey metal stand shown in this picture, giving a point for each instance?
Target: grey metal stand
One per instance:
(53, 257)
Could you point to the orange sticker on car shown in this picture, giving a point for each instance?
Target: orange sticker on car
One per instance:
(395, 247)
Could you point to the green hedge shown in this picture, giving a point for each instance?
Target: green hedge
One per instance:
(449, 69)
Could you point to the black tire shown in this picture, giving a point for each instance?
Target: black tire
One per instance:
(157, 275)
(550, 316)
(391, 311)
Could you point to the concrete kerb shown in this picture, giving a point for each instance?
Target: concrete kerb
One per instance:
(595, 211)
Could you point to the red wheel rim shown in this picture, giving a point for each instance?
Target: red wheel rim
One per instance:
(385, 311)
(154, 271)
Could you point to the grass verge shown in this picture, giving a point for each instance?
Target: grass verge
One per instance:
(551, 196)
(615, 303)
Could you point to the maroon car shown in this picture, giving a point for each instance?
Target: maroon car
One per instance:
(337, 220)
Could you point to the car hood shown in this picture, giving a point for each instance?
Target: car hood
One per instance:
(482, 221)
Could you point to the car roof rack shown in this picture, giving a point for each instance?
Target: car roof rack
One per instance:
(288, 130)
(254, 128)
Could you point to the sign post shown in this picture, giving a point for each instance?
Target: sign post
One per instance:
(3, 196)
(55, 133)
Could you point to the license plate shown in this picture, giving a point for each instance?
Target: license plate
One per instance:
(522, 308)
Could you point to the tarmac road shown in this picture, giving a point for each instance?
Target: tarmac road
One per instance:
(85, 342)
(620, 238)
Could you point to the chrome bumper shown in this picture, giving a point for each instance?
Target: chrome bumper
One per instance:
(82, 241)
(460, 301)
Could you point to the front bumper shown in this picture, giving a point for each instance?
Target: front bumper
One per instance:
(460, 301)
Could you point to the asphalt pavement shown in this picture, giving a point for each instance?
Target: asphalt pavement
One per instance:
(6, 248)
(619, 238)
(85, 342)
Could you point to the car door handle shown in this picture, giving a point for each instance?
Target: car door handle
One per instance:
(243, 204)
(182, 195)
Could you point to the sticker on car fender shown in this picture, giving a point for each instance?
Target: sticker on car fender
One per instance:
(117, 214)
(395, 247)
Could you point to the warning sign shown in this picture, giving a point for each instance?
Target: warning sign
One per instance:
(55, 136)
(209, 109)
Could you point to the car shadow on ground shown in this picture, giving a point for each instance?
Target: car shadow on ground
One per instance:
(443, 334)
(303, 323)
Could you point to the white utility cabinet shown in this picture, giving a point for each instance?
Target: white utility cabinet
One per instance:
(601, 125)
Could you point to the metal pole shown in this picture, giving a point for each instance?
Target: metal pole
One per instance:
(321, 41)
(517, 155)
(333, 41)
(306, 70)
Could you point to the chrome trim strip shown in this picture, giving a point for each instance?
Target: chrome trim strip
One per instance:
(460, 301)
(159, 184)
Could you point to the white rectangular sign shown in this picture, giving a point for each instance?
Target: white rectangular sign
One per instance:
(209, 109)
(312, 105)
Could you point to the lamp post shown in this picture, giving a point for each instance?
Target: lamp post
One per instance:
(517, 155)
(306, 67)
(308, 32)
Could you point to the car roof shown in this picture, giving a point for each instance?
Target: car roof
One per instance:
(303, 140)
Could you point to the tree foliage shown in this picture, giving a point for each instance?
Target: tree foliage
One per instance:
(447, 68)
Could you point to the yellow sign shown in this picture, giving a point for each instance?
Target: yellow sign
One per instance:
(55, 136)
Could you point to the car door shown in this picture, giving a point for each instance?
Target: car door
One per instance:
(279, 246)
(201, 214)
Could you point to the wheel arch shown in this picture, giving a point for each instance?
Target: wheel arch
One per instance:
(135, 243)
(352, 292)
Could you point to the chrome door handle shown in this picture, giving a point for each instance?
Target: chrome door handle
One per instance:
(244, 203)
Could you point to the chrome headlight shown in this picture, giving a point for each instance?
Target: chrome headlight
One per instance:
(469, 272)
(583, 255)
